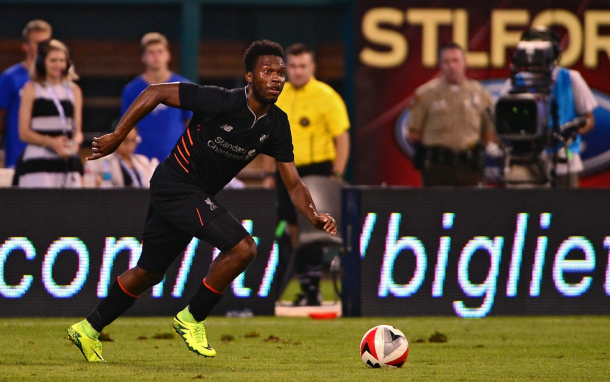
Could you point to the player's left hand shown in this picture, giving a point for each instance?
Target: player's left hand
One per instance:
(325, 222)
(104, 145)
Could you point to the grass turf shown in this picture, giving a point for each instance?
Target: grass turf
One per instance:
(490, 349)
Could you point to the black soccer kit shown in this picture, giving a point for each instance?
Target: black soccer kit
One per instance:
(221, 139)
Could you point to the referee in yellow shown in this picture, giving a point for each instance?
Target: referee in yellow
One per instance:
(319, 125)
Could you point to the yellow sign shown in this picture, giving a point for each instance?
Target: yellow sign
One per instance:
(380, 26)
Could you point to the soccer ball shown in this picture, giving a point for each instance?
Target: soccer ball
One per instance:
(384, 346)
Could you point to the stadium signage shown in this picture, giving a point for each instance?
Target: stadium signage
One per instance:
(397, 51)
(387, 47)
(493, 246)
(487, 257)
(60, 250)
(113, 246)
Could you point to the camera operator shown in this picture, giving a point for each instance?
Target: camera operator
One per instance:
(450, 125)
(573, 99)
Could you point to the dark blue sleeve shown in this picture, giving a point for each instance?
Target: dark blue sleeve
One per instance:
(7, 88)
(127, 98)
(187, 115)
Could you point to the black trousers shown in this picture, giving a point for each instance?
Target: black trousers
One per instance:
(285, 208)
(458, 173)
(308, 261)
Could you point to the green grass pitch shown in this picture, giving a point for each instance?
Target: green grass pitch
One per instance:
(489, 349)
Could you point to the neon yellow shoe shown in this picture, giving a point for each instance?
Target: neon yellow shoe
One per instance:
(90, 347)
(193, 333)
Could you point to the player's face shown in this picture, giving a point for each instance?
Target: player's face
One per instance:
(268, 78)
(300, 69)
(34, 38)
(55, 64)
(156, 56)
(453, 65)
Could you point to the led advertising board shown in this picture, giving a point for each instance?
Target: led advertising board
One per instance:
(477, 252)
(60, 250)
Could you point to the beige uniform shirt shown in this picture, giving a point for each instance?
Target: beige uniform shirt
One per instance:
(452, 116)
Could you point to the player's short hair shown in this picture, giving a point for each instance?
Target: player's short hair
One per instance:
(299, 49)
(35, 26)
(261, 48)
(153, 38)
(448, 46)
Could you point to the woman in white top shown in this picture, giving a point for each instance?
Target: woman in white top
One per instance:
(124, 167)
(50, 121)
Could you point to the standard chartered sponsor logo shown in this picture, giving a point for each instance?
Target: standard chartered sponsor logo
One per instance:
(232, 151)
(227, 145)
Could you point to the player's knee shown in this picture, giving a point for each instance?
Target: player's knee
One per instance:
(247, 250)
(149, 278)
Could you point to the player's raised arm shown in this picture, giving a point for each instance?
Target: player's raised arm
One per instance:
(167, 94)
(301, 198)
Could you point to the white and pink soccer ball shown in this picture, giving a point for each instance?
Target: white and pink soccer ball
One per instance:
(384, 346)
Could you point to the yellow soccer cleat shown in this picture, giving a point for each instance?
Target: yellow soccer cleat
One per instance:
(193, 335)
(90, 347)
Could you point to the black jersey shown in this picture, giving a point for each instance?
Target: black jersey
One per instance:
(224, 136)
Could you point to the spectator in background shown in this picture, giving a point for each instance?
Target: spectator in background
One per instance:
(319, 125)
(163, 126)
(450, 124)
(50, 122)
(11, 83)
(126, 168)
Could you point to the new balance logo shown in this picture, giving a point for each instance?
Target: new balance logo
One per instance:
(226, 127)
(210, 203)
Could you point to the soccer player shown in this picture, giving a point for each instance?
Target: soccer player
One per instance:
(228, 129)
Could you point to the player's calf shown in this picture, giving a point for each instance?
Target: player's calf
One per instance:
(228, 265)
(136, 281)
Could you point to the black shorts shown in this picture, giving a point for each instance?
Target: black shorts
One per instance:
(285, 208)
(177, 214)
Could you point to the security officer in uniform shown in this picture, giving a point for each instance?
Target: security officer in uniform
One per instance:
(319, 124)
(450, 124)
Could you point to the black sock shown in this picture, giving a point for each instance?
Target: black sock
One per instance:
(202, 303)
(111, 307)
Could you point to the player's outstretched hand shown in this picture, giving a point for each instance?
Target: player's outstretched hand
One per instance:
(325, 222)
(104, 145)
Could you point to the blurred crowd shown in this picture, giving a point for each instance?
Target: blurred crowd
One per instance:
(451, 123)
(41, 118)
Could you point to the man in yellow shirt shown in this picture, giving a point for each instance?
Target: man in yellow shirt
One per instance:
(319, 125)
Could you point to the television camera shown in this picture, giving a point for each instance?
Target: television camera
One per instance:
(526, 117)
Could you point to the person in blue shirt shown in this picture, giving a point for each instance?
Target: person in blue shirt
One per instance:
(163, 126)
(11, 84)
